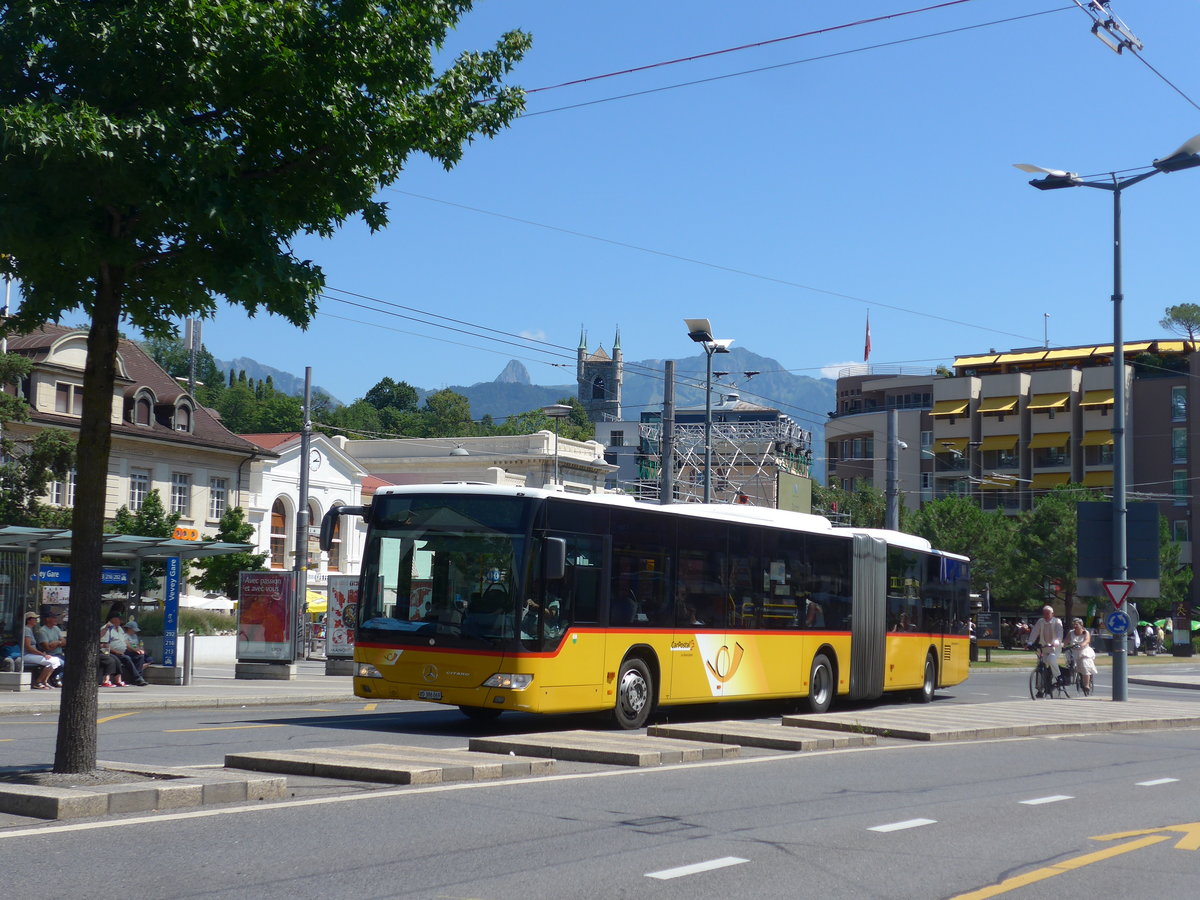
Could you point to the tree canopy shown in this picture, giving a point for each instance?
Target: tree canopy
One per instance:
(160, 155)
(1182, 319)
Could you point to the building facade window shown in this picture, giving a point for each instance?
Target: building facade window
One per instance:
(218, 498)
(278, 535)
(1179, 487)
(143, 412)
(335, 548)
(62, 493)
(1179, 404)
(1180, 531)
(181, 494)
(1179, 445)
(68, 399)
(139, 487)
(183, 418)
(926, 440)
(616, 439)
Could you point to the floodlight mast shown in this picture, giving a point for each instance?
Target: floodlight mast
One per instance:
(700, 331)
(1186, 157)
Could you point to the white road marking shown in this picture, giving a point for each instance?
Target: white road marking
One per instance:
(1156, 781)
(900, 826)
(696, 868)
(1038, 801)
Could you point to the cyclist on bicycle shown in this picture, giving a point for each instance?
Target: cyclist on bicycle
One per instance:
(1080, 640)
(1048, 631)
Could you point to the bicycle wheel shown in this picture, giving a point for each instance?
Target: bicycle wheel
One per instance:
(1035, 683)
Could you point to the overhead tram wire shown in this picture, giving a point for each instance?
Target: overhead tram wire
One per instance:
(771, 279)
(795, 62)
(751, 46)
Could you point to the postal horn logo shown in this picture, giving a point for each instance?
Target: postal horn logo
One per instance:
(430, 673)
(725, 664)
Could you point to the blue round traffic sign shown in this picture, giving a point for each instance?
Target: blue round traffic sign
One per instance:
(1117, 622)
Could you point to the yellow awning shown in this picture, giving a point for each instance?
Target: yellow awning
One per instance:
(1171, 346)
(996, 485)
(1049, 439)
(1048, 401)
(1098, 478)
(1106, 350)
(946, 445)
(1020, 357)
(997, 404)
(1096, 439)
(999, 442)
(975, 360)
(1046, 480)
(1075, 353)
(949, 407)
(1097, 398)
(1138, 347)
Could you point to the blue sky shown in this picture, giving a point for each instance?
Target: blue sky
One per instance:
(782, 204)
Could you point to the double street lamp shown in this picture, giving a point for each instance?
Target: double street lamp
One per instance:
(700, 331)
(1186, 157)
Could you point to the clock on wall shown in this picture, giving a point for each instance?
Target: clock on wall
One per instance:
(314, 460)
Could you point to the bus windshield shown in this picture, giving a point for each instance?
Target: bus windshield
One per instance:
(445, 568)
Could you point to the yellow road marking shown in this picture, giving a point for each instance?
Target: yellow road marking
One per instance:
(117, 716)
(1060, 868)
(369, 707)
(1189, 841)
(220, 728)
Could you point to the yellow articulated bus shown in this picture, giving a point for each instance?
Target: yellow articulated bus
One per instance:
(497, 598)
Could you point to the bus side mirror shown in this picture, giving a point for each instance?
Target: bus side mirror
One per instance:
(554, 554)
(330, 519)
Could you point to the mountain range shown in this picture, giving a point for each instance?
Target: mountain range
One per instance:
(757, 379)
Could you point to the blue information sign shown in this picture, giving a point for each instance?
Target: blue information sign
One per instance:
(61, 574)
(1117, 622)
(171, 610)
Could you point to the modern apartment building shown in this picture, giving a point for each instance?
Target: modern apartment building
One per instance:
(1006, 426)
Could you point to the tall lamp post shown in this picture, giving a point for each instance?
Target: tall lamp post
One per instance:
(700, 331)
(556, 411)
(1186, 157)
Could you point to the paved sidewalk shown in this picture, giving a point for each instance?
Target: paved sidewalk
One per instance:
(212, 685)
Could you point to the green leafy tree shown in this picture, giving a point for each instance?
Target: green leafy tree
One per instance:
(1046, 562)
(865, 507)
(959, 525)
(446, 413)
(1182, 319)
(389, 394)
(151, 520)
(1174, 575)
(159, 154)
(27, 466)
(221, 573)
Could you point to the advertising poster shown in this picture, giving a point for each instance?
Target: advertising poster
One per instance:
(265, 625)
(341, 618)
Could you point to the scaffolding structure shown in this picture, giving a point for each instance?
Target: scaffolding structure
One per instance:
(747, 457)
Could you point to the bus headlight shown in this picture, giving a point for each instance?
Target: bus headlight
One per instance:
(511, 682)
(366, 670)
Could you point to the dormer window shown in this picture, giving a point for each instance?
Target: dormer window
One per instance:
(183, 418)
(68, 399)
(143, 412)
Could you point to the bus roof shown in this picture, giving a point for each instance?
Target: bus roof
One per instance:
(760, 515)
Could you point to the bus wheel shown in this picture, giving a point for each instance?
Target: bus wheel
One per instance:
(820, 684)
(635, 694)
(928, 681)
(480, 713)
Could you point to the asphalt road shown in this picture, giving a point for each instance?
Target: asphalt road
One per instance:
(894, 821)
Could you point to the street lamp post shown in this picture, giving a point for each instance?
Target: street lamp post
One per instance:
(1186, 157)
(556, 411)
(700, 331)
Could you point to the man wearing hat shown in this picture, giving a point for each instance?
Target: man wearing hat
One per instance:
(50, 639)
(135, 650)
(35, 657)
(117, 639)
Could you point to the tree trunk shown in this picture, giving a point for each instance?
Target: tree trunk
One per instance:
(75, 751)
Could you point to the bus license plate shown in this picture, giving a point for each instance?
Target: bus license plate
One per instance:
(429, 695)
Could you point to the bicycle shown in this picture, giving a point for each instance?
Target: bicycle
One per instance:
(1075, 673)
(1043, 683)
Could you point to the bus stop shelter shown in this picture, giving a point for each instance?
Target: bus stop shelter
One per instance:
(22, 549)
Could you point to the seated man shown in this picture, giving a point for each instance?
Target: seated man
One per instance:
(134, 649)
(50, 639)
(117, 640)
